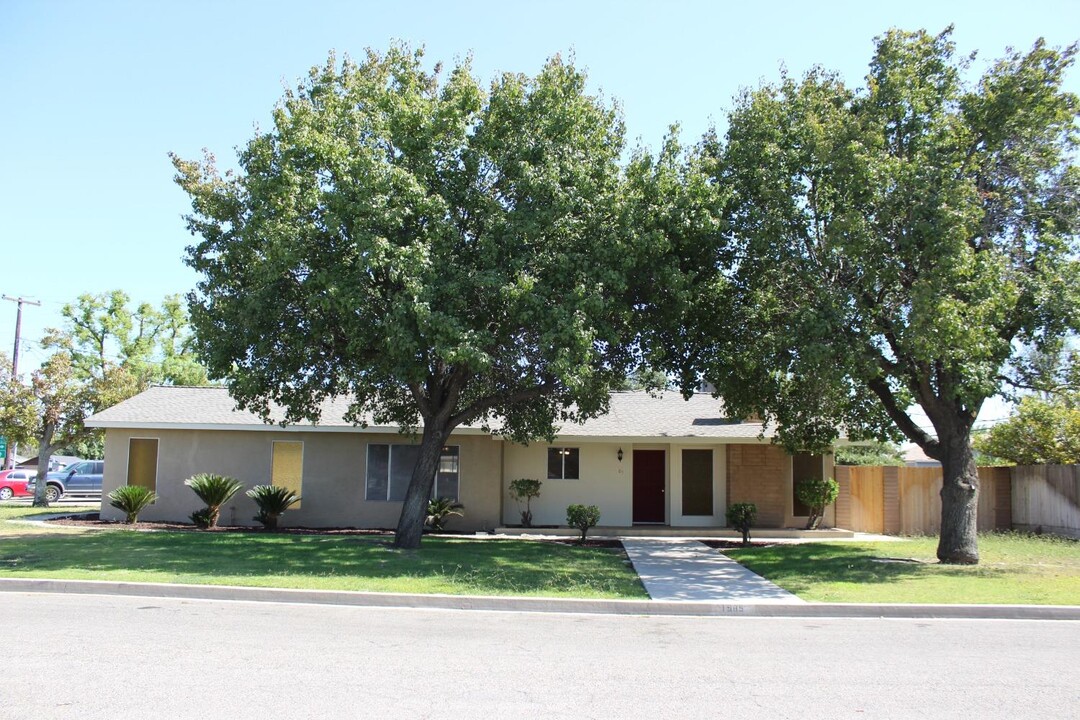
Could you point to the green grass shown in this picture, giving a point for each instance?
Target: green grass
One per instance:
(1013, 569)
(442, 565)
(10, 511)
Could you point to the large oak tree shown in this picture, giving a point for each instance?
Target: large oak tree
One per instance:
(895, 245)
(440, 253)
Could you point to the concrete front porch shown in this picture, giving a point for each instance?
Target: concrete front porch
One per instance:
(682, 532)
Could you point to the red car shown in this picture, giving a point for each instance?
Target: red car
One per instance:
(13, 483)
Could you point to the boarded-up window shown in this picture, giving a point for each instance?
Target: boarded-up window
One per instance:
(287, 467)
(804, 466)
(697, 482)
(142, 462)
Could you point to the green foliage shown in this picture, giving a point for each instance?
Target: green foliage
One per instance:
(459, 566)
(105, 353)
(215, 491)
(741, 516)
(124, 348)
(1040, 432)
(872, 453)
(202, 518)
(272, 501)
(132, 500)
(117, 351)
(438, 252)
(816, 494)
(51, 410)
(18, 411)
(525, 489)
(897, 244)
(1022, 569)
(439, 511)
(582, 517)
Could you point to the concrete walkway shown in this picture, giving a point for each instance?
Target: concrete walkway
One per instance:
(690, 571)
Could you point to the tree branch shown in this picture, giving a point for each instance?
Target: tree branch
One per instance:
(903, 421)
(483, 404)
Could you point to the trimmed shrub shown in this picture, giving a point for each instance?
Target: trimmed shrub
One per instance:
(215, 491)
(439, 511)
(525, 489)
(273, 501)
(741, 516)
(817, 495)
(582, 517)
(132, 500)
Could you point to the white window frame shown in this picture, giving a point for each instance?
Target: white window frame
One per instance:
(564, 452)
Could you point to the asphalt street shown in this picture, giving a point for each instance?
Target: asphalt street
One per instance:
(79, 656)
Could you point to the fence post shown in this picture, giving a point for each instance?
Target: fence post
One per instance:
(891, 482)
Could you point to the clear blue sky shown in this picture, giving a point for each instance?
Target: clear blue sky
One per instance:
(97, 93)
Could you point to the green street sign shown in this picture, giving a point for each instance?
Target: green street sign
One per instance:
(3, 446)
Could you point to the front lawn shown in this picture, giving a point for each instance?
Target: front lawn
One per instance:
(18, 511)
(1014, 569)
(324, 562)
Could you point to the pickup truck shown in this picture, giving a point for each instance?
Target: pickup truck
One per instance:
(82, 478)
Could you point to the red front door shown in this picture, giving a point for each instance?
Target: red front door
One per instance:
(649, 474)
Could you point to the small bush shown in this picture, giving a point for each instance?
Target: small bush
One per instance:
(132, 500)
(525, 489)
(582, 517)
(817, 495)
(215, 491)
(273, 501)
(439, 511)
(201, 518)
(741, 516)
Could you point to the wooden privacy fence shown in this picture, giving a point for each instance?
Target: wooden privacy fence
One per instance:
(907, 500)
(1047, 498)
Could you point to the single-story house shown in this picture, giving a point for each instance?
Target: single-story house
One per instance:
(661, 461)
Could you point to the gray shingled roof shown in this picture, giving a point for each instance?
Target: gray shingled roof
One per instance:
(632, 414)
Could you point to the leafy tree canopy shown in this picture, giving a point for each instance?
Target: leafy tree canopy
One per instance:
(1045, 428)
(439, 252)
(893, 245)
(105, 353)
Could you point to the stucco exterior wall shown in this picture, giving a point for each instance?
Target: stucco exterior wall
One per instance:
(334, 471)
(603, 481)
(608, 483)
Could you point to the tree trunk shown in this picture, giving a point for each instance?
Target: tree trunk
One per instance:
(45, 451)
(414, 510)
(959, 542)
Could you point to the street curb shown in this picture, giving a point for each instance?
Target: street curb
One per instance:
(540, 605)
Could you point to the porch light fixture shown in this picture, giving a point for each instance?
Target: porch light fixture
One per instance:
(619, 454)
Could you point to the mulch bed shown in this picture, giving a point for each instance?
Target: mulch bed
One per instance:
(732, 544)
(93, 520)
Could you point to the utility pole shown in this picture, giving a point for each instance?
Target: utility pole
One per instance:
(9, 457)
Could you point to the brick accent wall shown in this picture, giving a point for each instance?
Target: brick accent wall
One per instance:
(759, 474)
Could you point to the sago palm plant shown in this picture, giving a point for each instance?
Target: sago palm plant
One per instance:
(215, 491)
(273, 501)
(131, 500)
(439, 511)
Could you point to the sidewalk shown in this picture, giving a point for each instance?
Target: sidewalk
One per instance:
(690, 571)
